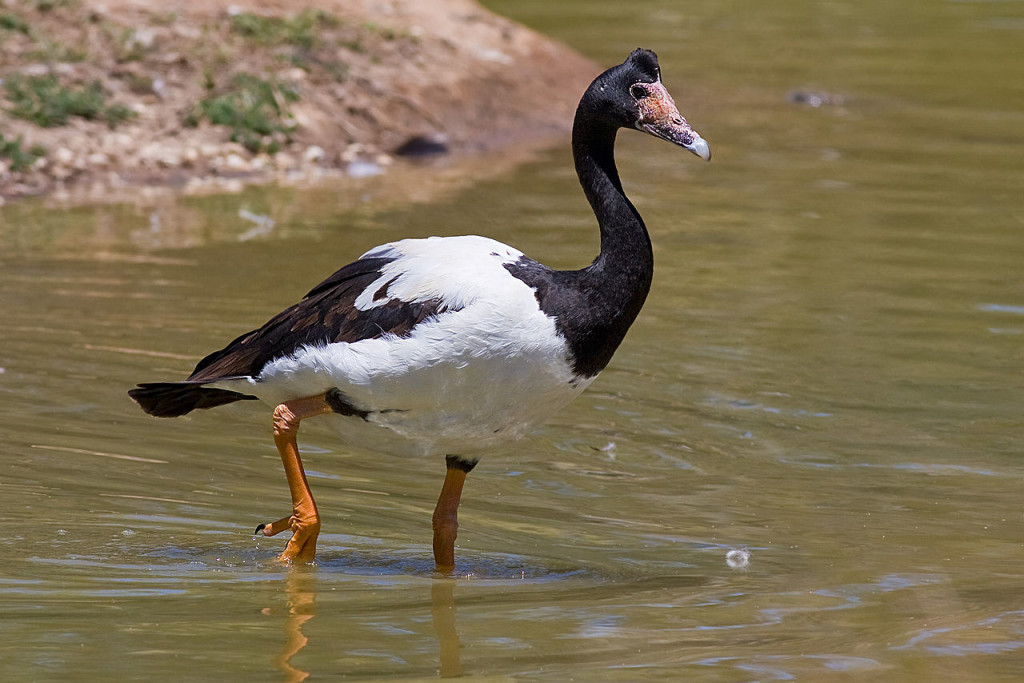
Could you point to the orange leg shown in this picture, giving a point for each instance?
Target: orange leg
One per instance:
(304, 522)
(446, 514)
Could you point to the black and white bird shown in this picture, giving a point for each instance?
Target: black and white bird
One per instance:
(450, 345)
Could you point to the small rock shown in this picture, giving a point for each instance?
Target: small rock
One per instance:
(63, 156)
(144, 37)
(177, 57)
(97, 159)
(186, 31)
(194, 185)
(352, 152)
(313, 154)
(161, 154)
(488, 55)
(423, 146)
(235, 162)
(283, 161)
(121, 140)
(35, 70)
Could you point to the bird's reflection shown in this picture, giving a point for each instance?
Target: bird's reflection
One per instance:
(301, 588)
(442, 610)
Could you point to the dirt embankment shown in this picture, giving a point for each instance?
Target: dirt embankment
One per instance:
(98, 96)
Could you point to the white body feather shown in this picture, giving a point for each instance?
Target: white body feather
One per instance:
(479, 374)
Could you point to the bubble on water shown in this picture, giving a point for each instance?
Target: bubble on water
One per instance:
(128, 532)
(738, 559)
(62, 532)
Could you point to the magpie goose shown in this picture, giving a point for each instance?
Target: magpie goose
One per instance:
(449, 345)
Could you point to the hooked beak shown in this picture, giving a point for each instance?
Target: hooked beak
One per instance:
(660, 117)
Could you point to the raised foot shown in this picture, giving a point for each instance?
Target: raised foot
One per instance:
(301, 546)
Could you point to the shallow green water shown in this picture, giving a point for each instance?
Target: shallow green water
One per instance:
(828, 374)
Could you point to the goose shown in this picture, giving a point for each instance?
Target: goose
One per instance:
(449, 346)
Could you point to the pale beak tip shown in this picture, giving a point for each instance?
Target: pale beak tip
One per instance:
(700, 147)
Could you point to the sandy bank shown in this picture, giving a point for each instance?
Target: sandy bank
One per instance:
(193, 93)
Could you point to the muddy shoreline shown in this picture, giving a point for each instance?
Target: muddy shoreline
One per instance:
(207, 96)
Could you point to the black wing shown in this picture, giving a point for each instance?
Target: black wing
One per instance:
(327, 314)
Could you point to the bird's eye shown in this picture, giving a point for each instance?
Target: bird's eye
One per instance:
(637, 92)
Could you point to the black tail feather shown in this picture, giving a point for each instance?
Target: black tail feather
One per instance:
(171, 399)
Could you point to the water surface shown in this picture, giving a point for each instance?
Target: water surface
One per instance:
(827, 375)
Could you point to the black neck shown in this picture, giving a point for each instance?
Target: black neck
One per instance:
(612, 289)
(625, 244)
(594, 307)
(623, 270)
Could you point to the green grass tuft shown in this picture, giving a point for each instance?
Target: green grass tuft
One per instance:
(45, 102)
(10, 22)
(54, 51)
(300, 30)
(21, 159)
(50, 5)
(254, 109)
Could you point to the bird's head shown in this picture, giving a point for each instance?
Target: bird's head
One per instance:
(631, 95)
